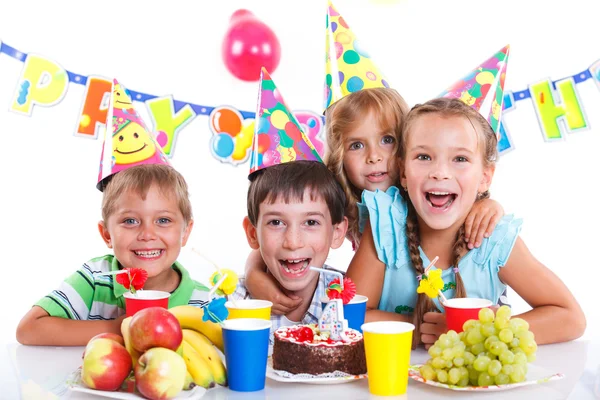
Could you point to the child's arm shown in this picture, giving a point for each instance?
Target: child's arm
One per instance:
(262, 286)
(481, 221)
(367, 272)
(556, 316)
(39, 329)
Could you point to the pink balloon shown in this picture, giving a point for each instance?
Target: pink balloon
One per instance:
(249, 45)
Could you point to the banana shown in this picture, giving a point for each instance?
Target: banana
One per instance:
(188, 384)
(197, 367)
(190, 317)
(210, 354)
(127, 339)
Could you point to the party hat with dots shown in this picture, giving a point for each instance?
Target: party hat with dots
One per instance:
(348, 67)
(483, 87)
(278, 137)
(127, 140)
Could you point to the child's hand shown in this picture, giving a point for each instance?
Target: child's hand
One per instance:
(263, 286)
(433, 325)
(481, 221)
(283, 304)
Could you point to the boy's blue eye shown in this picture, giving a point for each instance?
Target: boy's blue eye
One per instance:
(387, 139)
(129, 221)
(164, 220)
(356, 146)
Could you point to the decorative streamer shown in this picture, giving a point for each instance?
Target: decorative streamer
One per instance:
(44, 83)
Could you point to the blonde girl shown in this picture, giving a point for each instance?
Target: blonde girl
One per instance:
(447, 154)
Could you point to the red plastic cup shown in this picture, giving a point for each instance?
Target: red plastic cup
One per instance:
(459, 311)
(144, 299)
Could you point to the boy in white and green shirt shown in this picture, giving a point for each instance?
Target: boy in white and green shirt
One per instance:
(87, 295)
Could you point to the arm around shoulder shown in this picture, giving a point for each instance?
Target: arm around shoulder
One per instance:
(556, 316)
(38, 328)
(262, 286)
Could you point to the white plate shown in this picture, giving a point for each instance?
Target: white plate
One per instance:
(75, 384)
(535, 374)
(316, 380)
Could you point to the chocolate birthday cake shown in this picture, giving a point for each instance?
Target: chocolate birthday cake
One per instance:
(302, 349)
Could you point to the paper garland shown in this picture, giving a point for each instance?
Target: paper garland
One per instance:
(44, 83)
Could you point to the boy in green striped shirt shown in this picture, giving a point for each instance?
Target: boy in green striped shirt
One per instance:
(146, 219)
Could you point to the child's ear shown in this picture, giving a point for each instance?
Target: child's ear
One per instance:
(186, 232)
(486, 180)
(401, 173)
(339, 233)
(105, 234)
(251, 234)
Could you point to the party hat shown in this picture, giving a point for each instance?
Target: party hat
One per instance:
(483, 87)
(278, 136)
(348, 67)
(127, 140)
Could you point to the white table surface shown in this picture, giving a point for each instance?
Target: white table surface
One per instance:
(28, 372)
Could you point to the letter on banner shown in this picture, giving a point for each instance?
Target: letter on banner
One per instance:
(313, 127)
(94, 109)
(168, 122)
(42, 82)
(567, 107)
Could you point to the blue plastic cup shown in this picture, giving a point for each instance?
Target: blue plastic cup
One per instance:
(354, 311)
(246, 342)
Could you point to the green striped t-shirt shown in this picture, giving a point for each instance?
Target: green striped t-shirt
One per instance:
(87, 296)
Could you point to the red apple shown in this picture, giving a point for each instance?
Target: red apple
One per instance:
(160, 374)
(154, 327)
(109, 335)
(106, 364)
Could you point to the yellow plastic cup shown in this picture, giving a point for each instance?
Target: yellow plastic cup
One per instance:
(249, 308)
(387, 347)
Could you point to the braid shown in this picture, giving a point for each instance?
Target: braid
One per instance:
(457, 251)
(424, 303)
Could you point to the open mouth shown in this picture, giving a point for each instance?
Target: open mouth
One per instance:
(440, 200)
(295, 266)
(148, 253)
(131, 152)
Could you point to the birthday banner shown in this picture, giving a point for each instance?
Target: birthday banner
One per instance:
(43, 82)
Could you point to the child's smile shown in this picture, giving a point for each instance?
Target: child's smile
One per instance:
(295, 268)
(443, 169)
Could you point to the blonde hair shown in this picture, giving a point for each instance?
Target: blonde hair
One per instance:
(139, 179)
(446, 108)
(389, 107)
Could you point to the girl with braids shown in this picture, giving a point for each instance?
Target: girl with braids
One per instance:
(362, 133)
(447, 156)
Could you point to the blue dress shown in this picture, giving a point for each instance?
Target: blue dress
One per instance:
(387, 212)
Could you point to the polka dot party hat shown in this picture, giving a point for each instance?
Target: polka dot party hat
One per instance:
(278, 137)
(483, 87)
(348, 67)
(127, 140)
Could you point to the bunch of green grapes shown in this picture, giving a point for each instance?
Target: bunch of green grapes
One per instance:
(489, 351)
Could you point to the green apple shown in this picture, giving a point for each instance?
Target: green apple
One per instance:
(106, 364)
(160, 373)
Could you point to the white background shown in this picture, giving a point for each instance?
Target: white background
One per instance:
(50, 206)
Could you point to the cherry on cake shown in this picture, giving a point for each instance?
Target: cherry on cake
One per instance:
(302, 349)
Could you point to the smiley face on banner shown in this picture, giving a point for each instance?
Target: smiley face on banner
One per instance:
(231, 139)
